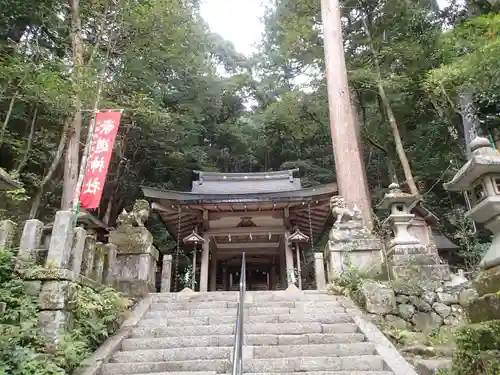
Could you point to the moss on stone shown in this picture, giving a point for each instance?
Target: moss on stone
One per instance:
(488, 281)
(484, 308)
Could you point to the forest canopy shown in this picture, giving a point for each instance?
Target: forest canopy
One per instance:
(191, 101)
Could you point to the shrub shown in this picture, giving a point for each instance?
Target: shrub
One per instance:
(23, 349)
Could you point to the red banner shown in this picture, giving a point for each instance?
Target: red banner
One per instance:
(103, 140)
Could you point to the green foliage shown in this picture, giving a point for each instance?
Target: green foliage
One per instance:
(23, 348)
(349, 283)
(478, 350)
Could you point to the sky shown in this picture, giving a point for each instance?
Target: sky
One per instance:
(239, 21)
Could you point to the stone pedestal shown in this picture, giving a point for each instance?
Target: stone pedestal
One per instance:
(364, 254)
(135, 260)
(319, 271)
(166, 274)
(407, 257)
(350, 242)
(205, 258)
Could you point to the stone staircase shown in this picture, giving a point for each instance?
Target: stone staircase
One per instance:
(285, 333)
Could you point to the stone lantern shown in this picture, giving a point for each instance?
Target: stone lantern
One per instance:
(399, 202)
(481, 177)
(406, 256)
(296, 238)
(195, 239)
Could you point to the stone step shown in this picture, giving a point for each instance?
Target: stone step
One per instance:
(252, 328)
(155, 314)
(227, 340)
(274, 365)
(224, 352)
(166, 306)
(279, 373)
(250, 296)
(231, 319)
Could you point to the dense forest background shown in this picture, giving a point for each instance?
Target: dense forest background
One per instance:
(192, 102)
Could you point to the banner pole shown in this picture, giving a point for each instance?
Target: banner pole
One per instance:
(83, 166)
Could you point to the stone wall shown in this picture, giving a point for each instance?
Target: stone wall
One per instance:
(51, 259)
(422, 307)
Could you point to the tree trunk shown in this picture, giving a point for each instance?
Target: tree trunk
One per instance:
(349, 163)
(73, 151)
(7, 117)
(24, 160)
(392, 119)
(57, 159)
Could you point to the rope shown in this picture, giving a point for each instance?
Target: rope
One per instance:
(178, 251)
(310, 225)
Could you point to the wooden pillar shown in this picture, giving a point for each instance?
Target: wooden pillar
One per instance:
(225, 279)
(205, 257)
(299, 270)
(213, 273)
(282, 258)
(273, 277)
(193, 276)
(290, 275)
(349, 165)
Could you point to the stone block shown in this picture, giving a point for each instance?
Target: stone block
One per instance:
(98, 267)
(53, 324)
(448, 297)
(166, 273)
(319, 271)
(427, 322)
(379, 298)
(488, 281)
(110, 271)
(134, 288)
(406, 311)
(443, 310)
(61, 242)
(432, 366)
(484, 308)
(33, 287)
(420, 304)
(31, 239)
(437, 272)
(88, 256)
(396, 322)
(132, 240)
(79, 237)
(54, 295)
(7, 234)
(362, 253)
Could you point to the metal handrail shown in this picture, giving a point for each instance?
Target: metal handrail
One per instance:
(238, 334)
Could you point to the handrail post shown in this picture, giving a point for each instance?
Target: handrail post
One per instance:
(238, 334)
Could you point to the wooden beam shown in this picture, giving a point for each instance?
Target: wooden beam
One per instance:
(212, 216)
(247, 245)
(245, 230)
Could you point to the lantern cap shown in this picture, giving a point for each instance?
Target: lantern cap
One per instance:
(298, 236)
(193, 238)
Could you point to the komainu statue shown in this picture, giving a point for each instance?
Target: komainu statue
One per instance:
(342, 213)
(137, 217)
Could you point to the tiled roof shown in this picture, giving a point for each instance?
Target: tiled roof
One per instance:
(245, 183)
